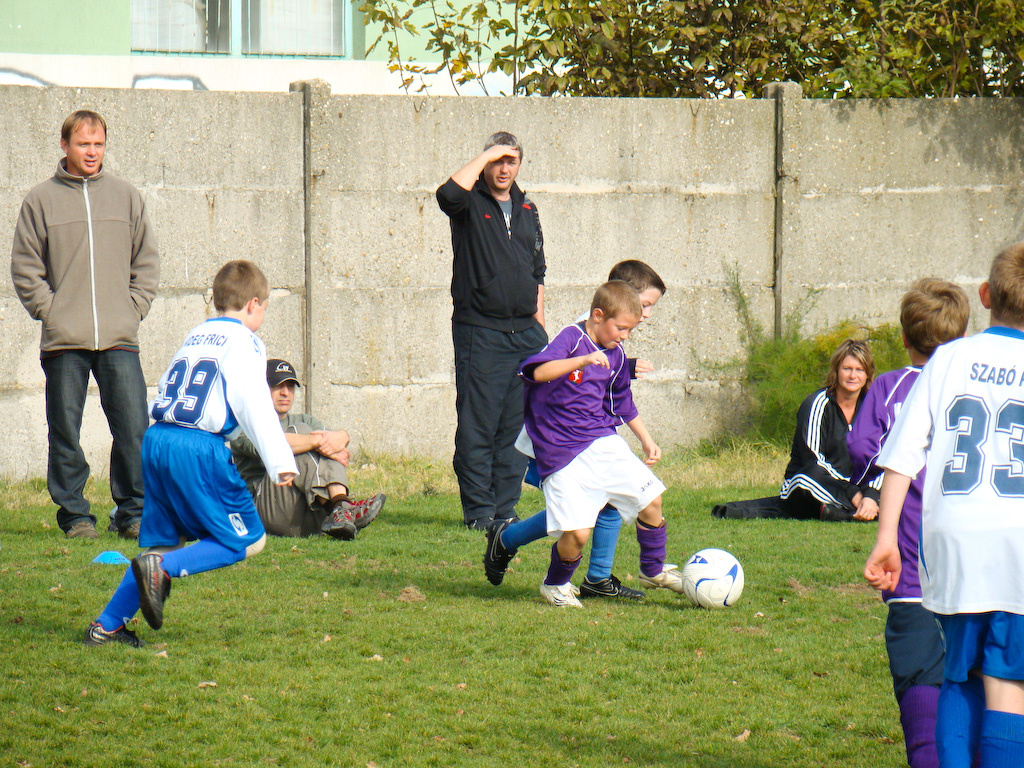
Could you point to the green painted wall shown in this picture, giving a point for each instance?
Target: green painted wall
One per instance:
(98, 27)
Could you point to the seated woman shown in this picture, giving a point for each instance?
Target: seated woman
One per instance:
(817, 482)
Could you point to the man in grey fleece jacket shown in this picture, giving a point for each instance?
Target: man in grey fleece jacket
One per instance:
(85, 263)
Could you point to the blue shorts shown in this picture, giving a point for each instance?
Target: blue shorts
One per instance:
(194, 491)
(991, 642)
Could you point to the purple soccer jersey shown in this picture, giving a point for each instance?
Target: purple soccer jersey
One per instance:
(566, 415)
(871, 428)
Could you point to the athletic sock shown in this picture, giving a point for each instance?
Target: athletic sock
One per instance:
(603, 543)
(958, 722)
(1002, 740)
(532, 528)
(652, 548)
(560, 571)
(123, 605)
(204, 555)
(917, 716)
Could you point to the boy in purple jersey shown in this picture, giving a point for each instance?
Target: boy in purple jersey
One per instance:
(214, 387)
(932, 312)
(577, 393)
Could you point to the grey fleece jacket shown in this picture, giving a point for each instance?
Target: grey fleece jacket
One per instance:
(84, 261)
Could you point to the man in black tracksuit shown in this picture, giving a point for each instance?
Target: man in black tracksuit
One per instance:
(498, 321)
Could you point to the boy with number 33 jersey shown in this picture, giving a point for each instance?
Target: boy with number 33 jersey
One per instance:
(965, 416)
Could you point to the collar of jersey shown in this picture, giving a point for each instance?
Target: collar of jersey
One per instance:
(1002, 330)
(226, 319)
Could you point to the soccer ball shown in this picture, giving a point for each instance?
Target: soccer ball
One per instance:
(713, 578)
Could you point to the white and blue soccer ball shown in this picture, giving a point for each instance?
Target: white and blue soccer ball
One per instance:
(713, 578)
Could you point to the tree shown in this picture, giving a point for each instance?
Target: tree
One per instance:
(713, 48)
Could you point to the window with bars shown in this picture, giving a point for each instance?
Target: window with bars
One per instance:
(264, 27)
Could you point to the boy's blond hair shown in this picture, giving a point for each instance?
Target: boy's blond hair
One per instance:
(1006, 286)
(639, 275)
(617, 298)
(933, 312)
(859, 351)
(236, 283)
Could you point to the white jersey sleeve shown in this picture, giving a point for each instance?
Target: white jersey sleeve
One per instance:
(217, 382)
(965, 416)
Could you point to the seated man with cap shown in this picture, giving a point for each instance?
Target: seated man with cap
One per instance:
(318, 499)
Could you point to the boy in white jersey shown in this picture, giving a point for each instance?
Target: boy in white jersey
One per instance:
(215, 386)
(965, 417)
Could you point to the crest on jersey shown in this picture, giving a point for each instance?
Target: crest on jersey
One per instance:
(576, 376)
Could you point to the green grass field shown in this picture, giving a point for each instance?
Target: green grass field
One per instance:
(393, 650)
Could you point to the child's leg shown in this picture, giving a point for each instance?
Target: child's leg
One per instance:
(602, 548)
(958, 722)
(652, 535)
(205, 555)
(917, 716)
(557, 588)
(1002, 728)
(124, 603)
(523, 532)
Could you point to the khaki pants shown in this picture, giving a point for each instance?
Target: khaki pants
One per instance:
(298, 509)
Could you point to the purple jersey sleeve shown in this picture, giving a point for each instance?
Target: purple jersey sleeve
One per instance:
(870, 430)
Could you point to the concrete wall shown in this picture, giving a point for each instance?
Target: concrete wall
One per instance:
(334, 196)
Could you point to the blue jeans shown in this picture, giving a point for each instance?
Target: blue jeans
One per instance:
(122, 386)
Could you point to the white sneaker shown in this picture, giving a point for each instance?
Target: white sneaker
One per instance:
(561, 595)
(669, 578)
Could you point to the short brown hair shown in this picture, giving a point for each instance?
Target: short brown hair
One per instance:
(76, 119)
(637, 274)
(933, 312)
(617, 298)
(236, 283)
(505, 139)
(860, 351)
(1006, 286)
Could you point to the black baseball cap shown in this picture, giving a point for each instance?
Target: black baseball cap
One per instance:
(280, 371)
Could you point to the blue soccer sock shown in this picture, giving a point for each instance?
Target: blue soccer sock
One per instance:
(560, 571)
(123, 605)
(525, 531)
(958, 721)
(204, 555)
(917, 716)
(603, 543)
(1002, 740)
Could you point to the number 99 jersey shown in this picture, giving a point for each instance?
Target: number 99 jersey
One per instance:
(217, 382)
(965, 417)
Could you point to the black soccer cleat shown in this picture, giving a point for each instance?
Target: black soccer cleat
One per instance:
(97, 635)
(610, 587)
(154, 587)
(497, 557)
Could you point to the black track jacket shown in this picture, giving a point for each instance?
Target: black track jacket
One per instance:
(494, 275)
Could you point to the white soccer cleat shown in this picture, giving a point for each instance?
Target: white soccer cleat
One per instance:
(669, 578)
(562, 595)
